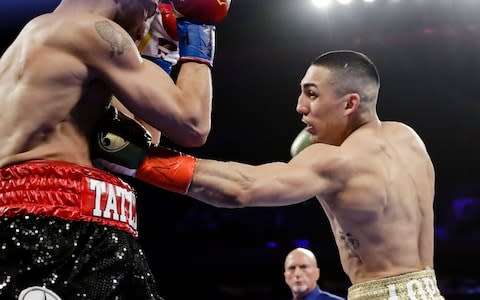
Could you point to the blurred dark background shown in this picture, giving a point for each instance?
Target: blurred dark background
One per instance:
(428, 55)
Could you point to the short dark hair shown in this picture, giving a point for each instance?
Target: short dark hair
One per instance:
(352, 72)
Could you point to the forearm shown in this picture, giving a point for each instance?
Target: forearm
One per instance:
(221, 184)
(232, 184)
(168, 41)
(194, 80)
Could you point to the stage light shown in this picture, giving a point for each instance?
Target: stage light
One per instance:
(321, 3)
(344, 2)
(369, 1)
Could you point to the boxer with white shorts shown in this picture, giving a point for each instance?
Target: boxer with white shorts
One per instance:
(374, 179)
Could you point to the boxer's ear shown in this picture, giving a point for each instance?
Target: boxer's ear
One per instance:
(351, 103)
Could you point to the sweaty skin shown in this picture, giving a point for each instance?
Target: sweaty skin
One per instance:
(63, 69)
(374, 179)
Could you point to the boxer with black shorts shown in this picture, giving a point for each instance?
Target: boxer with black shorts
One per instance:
(44, 244)
(68, 230)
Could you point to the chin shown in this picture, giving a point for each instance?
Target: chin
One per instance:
(300, 289)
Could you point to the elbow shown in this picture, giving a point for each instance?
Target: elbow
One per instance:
(189, 133)
(198, 128)
(196, 121)
(197, 136)
(200, 135)
(194, 142)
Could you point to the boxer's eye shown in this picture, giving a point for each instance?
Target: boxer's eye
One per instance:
(311, 94)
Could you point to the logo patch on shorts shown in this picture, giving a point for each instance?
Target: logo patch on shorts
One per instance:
(38, 293)
(111, 202)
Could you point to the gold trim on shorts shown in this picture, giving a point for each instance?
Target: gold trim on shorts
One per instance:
(421, 285)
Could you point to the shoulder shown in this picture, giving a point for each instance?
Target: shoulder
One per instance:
(103, 33)
(104, 45)
(110, 32)
(374, 138)
(324, 157)
(404, 134)
(90, 36)
(399, 129)
(329, 168)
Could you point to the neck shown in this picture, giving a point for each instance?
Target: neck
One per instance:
(361, 120)
(298, 296)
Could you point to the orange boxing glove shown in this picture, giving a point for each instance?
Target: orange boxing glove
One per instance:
(123, 146)
(167, 169)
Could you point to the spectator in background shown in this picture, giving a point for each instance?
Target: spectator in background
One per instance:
(302, 274)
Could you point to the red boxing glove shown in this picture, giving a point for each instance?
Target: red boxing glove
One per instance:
(203, 11)
(169, 19)
(160, 41)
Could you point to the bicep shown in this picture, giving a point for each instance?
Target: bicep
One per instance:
(285, 183)
(141, 86)
(320, 170)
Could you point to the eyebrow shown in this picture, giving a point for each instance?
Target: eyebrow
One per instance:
(307, 85)
(298, 266)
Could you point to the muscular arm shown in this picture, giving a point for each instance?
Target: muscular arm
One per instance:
(317, 171)
(181, 111)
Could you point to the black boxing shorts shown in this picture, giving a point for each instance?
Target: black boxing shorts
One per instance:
(69, 232)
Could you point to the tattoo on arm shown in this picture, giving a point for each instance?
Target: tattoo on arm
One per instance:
(348, 240)
(118, 42)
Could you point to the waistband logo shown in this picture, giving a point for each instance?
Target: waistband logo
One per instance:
(112, 202)
(425, 289)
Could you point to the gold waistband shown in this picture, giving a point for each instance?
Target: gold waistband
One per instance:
(415, 285)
